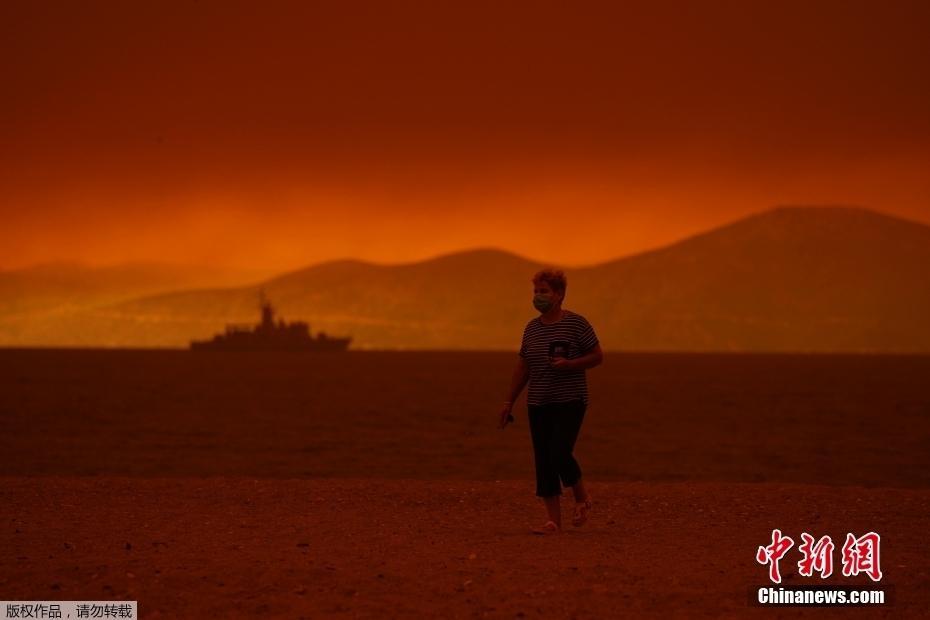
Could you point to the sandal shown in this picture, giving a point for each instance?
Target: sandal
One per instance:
(548, 528)
(581, 512)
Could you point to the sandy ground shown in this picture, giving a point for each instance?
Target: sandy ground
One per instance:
(312, 548)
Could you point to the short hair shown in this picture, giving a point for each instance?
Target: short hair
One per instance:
(555, 278)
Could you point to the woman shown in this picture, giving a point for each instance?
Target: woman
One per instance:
(557, 347)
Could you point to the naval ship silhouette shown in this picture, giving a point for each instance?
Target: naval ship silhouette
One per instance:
(270, 336)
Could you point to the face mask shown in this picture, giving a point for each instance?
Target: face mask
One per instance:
(541, 303)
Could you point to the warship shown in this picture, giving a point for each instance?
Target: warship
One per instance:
(270, 336)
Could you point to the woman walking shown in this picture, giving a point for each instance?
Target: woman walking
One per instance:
(558, 346)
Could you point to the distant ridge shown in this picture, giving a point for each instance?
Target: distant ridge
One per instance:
(793, 278)
(787, 279)
(58, 287)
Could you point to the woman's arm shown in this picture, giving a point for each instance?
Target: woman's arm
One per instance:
(588, 360)
(521, 374)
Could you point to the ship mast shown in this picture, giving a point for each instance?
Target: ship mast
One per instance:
(267, 311)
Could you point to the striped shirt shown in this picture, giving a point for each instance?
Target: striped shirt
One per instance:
(571, 336)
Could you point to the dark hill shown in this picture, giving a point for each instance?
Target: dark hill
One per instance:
(788, 279)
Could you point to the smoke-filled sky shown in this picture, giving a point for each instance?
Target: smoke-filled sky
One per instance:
(275, 135)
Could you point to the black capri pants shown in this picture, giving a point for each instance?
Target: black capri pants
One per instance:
(554, 428)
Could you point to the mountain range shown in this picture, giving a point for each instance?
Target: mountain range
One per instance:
(789, 279)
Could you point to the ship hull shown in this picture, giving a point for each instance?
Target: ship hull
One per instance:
(328, 345)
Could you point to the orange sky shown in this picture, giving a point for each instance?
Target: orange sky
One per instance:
(276, 135)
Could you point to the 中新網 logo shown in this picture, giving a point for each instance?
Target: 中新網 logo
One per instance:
(859, 555)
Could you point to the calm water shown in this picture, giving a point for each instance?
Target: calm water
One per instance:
(820, 419)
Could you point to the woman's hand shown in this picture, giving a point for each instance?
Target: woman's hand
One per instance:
(561, 363)
(506, 415)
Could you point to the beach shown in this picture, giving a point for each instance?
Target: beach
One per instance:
(285, 486)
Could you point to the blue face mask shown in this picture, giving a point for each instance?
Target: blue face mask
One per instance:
(542, 303)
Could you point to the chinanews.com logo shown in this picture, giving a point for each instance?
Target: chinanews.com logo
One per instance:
(859, 555)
